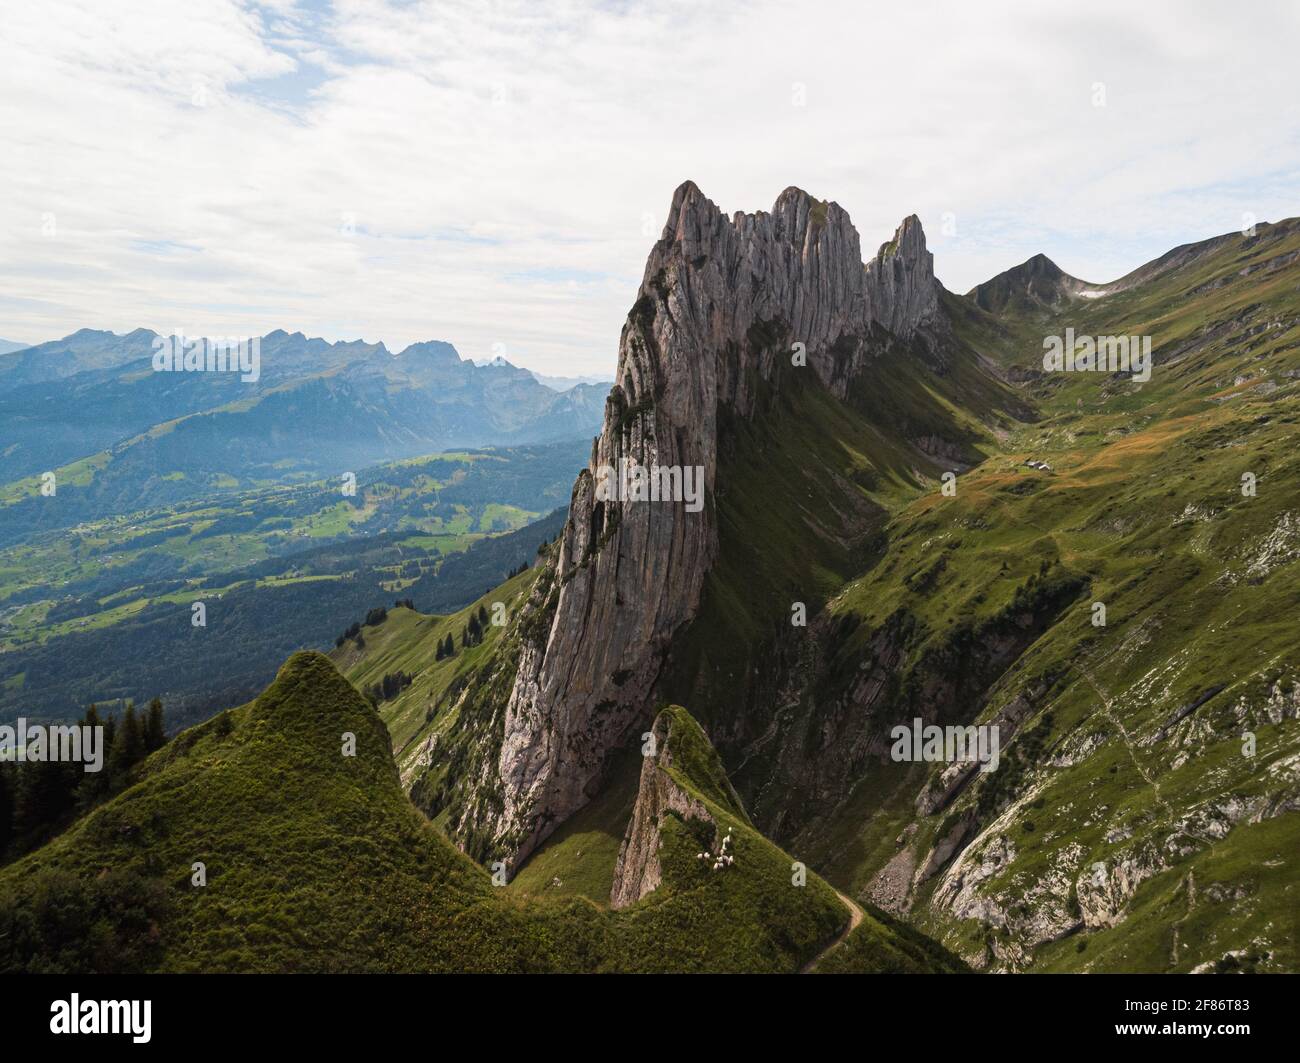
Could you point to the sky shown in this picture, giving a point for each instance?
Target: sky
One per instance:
(493, 173)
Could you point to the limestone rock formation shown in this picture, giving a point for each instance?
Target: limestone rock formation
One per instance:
(661, 793)
(722, 299)
(902, 294)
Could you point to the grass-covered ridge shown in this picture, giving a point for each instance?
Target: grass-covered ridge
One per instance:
(316, 861)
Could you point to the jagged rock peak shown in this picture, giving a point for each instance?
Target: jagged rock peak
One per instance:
(800, 263)
(721, 304)
(901, 289)
(697, 226)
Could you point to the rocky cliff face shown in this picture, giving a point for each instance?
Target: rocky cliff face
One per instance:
(721, 301)
(638, 871)
(676, 772)
(901, 291)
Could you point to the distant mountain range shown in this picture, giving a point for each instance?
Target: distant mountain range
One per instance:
(564, 383)
(9, 345)
(119, 435)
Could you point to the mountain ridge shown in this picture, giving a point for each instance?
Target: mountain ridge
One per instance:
(716, 321)
(903, 518)
(964, 611)
(117, 434)
(211, 861)
(1040, 280)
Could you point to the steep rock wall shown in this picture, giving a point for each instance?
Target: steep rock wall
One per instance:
(629, 574)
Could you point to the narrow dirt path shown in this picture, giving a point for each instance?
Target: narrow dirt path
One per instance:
(1189, 888)
(855, 917)
(1109, 713)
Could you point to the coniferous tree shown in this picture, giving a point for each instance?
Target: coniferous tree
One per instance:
(127, 750)
(110, 733)
(43, 797)
(6, 807)
(155, 736)
(93, 785)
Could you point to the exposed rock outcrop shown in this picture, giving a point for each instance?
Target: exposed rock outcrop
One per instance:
(721, 301)
(638, 870)
(901, 292)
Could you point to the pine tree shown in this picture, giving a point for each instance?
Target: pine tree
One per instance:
(155, 736)
(93, 785)
(128, 749)
(43, 798)
(482, 617)
(6, 807)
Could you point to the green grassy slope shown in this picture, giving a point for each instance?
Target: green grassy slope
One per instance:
(316, 861)
(805, 486)
(407, 642)
(579, 858)
(1104, 781)
(882, 944)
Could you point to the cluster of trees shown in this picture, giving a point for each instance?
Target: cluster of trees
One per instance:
(374, 618)
(515, 571)
(38, 798)
(470, 635)
(389, 687)
(474, 631)
(353, 632)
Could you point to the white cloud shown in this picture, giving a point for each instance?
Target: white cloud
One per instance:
(201, 162)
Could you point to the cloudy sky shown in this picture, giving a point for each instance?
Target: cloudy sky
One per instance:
(493, 173)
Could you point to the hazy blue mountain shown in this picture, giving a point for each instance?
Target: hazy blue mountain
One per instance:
(83, 350)
(120, 435)
(564, 383)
